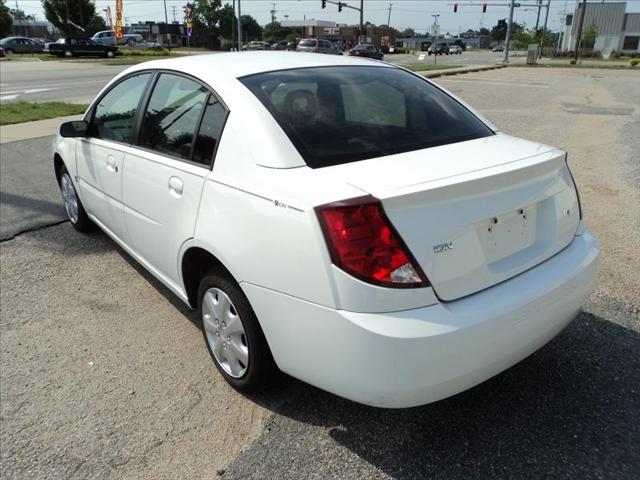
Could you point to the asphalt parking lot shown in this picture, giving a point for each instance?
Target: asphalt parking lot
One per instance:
(103, 374)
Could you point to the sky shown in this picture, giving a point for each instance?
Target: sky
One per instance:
(416, 14)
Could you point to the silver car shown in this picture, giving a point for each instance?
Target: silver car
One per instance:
(317, 45)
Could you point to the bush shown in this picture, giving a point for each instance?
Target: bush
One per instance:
(615, 54)
(400, 50)
(634, 61)
(584, 54)
(150, 52)
(572, 61)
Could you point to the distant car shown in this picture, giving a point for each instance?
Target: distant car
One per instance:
(82, 48)
(108, 37)
(278, 46)
(317, 45)
(438, 49)
(498, 48)
(292, 45)
(367, 51)
(20, 45)
(255, 45)
(455, 50)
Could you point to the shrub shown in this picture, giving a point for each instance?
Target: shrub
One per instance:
(615, 54)
(572, 61)
(634, 61)
(150, 52)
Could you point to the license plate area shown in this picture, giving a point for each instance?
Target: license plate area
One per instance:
(504, 235)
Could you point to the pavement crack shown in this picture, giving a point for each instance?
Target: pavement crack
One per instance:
(34, 229)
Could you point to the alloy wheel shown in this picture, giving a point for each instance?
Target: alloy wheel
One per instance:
(70, 198)
(225, 332)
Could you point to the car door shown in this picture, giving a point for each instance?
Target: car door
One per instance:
(100, 156)
(165, 173)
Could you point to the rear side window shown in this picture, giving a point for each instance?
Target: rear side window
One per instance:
(210, 130)
(172, 115)
(307, 43)
(114, 114)
(336, 115)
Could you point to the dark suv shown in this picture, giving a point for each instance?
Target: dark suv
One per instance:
(438, 49)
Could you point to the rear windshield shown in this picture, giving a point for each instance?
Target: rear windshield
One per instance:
(336, 115)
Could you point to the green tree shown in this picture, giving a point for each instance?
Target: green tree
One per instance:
(499, 31)
(81, 12)
(5, 20)
(275, 32)
(207, 16)
(251, 29)
(408, 33)
(484, 31)
(589, 35)
(20, 15)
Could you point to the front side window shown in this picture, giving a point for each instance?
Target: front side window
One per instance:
(115, 113)
(171, 118)
(336, 115)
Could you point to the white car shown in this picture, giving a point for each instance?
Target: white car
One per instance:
(455, 50)
(344, 221)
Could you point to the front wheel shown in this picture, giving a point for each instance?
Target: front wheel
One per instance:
(68, 53)
(233, 335)
(110, 54)
(72, 204)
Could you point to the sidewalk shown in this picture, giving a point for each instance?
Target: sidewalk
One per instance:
(28, 130)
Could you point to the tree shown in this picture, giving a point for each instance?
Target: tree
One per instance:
(589, 35)
(81, 12)
(499, 31)
(20, 15)
(5, 20)
(251, 29)
(207, 20)
(484, 31)
(408, 33)
(275, 32)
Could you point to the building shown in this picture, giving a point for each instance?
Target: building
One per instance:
(33, 29)
(166, 34)
(617, 30)
(383, 37)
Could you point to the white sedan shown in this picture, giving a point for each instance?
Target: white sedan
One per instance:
(341, 220)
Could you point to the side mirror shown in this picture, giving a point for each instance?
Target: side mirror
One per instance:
(74, 129)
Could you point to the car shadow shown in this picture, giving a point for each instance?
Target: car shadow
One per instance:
(572, 409)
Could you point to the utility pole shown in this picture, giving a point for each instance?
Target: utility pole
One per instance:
(544, 30)
(389, 18)
(362, 18)
(233, 38)
(273, 12)
(239, 28)
(166, 23)
(81, 16)
(173, 12)
(508, 39)
(583, 11)
(538, 16)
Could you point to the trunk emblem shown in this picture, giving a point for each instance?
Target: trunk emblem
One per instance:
(442, 247)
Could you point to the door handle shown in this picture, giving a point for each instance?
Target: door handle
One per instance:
(111, 164)
(175, 186)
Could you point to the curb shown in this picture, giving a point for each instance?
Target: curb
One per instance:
(446, 73)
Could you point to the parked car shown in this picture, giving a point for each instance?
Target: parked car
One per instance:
(20, 45)
(455, 50)
(257, 46)
(278, 46)
(387, 243)
(317, 45)
(108, 37)
(498, 48)
(367, 51)
(82, 48)
(438, 49)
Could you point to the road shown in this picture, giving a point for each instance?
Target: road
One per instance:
(53, 81)
(103, 374)
(35, 81)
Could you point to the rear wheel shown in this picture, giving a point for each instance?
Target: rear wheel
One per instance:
(110, 54)
(72, 204)
(68, 53)
(8, 51)
(233, 335)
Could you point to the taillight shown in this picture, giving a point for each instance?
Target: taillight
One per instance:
(575, 186)
(363, 243)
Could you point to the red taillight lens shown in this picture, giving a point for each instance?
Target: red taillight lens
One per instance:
(363, 243)
(575, 186)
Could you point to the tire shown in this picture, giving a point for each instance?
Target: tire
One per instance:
(246, 374)
(68, 53)
(76, 215)
(8, 51)
(110, 54)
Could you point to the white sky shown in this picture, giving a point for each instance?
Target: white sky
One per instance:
(404, 13)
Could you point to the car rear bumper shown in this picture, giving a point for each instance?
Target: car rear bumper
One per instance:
(414, 357)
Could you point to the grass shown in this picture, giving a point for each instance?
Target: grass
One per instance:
(424, 67)
(21, 112)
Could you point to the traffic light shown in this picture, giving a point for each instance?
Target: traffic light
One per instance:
(484, 7)
(324, 3)
(455, 8)
(339, 6)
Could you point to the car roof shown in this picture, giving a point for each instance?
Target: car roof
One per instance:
(240, 64)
